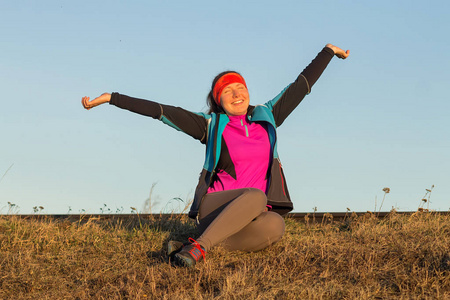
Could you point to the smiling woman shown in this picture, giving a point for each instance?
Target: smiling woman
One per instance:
(229, 91)
(242, 192)
(235, 99)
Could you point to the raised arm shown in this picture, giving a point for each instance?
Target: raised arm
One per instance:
(290, 97)
(188, 122)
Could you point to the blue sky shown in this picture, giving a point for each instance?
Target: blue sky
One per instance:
(378, 119)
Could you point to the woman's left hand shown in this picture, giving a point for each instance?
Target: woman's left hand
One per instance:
(338, 51)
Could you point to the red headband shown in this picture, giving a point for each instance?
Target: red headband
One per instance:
(225, 80)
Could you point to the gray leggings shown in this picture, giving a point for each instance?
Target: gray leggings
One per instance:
(238, 221)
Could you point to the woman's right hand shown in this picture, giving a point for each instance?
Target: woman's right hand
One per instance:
(103, 98)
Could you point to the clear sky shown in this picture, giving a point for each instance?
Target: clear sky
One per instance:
(378, 119)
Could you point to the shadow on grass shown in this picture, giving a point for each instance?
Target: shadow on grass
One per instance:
(178, 227)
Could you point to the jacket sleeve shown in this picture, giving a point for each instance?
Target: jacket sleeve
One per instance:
(285, 102)
(193, 124)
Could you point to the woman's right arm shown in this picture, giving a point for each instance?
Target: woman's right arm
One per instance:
(188, 122)
(103, 98)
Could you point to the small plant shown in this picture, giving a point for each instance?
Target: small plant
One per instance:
(151, 201)
(12, 208)
(134, 210)
(314, 214)
(426, 199)
(170, 206)
(346, 213)
(37, 209)
(386, 190)
(105, 209)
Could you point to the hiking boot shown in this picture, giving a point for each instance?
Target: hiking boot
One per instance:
(190, 254)
(173, 247)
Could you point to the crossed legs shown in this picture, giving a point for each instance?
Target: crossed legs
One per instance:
(237, 220)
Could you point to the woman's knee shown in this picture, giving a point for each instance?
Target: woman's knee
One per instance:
(275, 226)
(257, 196)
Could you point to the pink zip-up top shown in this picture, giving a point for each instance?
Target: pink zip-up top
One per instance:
(249, 148)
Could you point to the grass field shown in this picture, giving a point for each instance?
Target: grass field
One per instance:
(401, 257)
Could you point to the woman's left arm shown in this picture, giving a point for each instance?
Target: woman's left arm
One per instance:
(290, 97)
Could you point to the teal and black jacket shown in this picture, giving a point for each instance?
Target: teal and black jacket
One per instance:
(208, 129)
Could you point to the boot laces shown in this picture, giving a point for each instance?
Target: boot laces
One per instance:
(196, 247)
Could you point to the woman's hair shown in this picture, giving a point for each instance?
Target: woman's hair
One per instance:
(213, 106)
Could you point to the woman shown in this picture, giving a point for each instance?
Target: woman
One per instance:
(242, 192)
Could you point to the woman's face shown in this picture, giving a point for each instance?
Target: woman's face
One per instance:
(235, 99)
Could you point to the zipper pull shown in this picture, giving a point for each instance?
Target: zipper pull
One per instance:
(246, 128)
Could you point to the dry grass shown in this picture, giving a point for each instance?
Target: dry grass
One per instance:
(400, 257)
